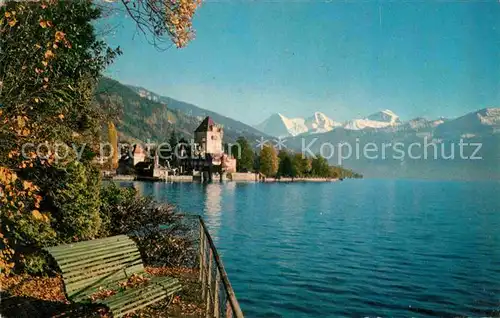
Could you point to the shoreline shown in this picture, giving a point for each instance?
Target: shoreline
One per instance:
(300, 180)
(183, 179)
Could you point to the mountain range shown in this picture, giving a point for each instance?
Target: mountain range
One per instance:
(279, 125)
(143, 115)
(432, 148)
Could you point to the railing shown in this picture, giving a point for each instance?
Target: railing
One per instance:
(219, 302)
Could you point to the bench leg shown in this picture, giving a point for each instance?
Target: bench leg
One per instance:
(171, 300)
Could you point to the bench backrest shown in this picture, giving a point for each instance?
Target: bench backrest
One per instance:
(90, 265)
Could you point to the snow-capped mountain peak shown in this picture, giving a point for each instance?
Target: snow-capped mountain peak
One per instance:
(319, 123)
(386, 115)
(281, 126)
(381, 119)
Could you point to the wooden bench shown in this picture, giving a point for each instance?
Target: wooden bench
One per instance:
(102, 264)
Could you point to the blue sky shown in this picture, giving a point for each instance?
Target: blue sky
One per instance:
(348, 60)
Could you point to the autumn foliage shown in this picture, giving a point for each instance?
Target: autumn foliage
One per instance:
(160, 18)
(50, 62)
(268, 161)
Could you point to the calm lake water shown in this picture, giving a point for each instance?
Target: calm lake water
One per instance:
(354, 248)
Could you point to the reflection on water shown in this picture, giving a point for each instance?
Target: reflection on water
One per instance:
(213, 208)
(188, 196)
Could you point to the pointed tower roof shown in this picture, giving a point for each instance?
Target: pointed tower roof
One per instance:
(138, 150)
(205, 124)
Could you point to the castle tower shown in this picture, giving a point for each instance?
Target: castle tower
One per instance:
(209, 136)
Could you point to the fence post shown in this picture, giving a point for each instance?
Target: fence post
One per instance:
(229, 307)
(209, 282)
(229, 310)
(201, 249)
(216, 294)
(203, 263)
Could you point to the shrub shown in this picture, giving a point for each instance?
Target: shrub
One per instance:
(75, 200)
(160, 232)
(22, 225)
(37, 263)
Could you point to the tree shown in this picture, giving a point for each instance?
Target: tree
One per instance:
(49, 66)
(75, 206)
(256, 161)
(285, 168)
(320, 167)
(244, 154)
(335, 172)
(268, 161)
(300, 165)
(173, 142)
(113, 140)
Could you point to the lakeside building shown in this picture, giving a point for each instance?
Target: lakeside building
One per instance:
(200, 160)
(208, 157)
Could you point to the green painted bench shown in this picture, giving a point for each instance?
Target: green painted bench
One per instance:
(102, 264)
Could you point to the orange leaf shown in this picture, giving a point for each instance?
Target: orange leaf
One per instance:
(37, 215)
(59, 35)
(49, 54)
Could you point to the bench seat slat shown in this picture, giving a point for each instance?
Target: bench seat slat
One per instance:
(121, 303)
(133, 295)
(102, 259)
(95, 268)
(98, 281)
(90, 257)
(153, 285)
(98, 271)
(83, 244)
(72, 248)
(85, 293)
(97, 249)
(135, 308)
(133, 302)
(88, 265)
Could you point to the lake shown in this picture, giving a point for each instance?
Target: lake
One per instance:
(358, 248)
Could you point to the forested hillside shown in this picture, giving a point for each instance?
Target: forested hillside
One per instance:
(233, 126)
(140, 118)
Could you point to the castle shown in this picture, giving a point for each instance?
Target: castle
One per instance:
(202, 159)
(210, 156)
